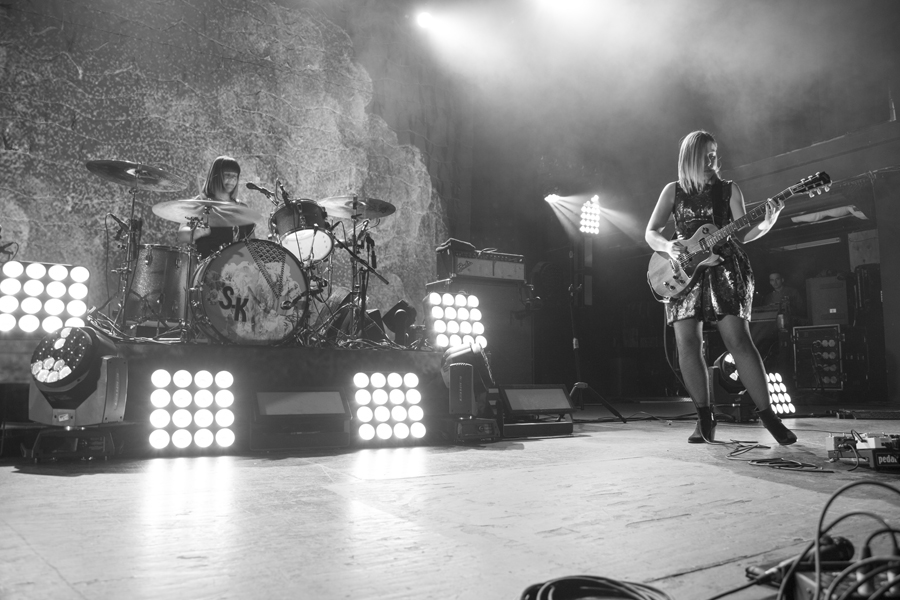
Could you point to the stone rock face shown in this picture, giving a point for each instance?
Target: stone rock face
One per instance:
(173, 85)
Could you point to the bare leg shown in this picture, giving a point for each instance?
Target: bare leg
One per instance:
(736, 335)
(689, 338)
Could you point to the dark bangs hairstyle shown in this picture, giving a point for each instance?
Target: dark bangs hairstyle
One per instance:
(214, 182)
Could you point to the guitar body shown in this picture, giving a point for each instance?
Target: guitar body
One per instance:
(669, 278)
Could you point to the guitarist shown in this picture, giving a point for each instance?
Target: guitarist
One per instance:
(721, 294)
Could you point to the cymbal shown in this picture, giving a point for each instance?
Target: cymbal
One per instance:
(341, 207)
(219, 214)
(135, 175)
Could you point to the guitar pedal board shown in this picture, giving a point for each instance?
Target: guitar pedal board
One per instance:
(879, 451)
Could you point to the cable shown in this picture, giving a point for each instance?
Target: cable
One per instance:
(588, 586)
(734, 590)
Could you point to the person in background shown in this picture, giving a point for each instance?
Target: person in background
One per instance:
(722, 295)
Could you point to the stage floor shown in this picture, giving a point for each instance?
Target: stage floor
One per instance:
(626, 501)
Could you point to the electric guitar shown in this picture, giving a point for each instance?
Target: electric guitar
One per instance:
(670, 278)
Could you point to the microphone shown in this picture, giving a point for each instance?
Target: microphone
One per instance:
(121, 223)
(288, 304)
(284, 194)
(258, 188)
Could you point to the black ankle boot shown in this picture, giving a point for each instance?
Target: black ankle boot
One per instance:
(782, 434)
(706, 423)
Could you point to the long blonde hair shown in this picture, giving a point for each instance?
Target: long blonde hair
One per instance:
(692, 161)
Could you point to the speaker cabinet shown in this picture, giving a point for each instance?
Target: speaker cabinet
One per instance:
(827, 298)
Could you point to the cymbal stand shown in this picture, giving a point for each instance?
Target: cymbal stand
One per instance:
(132, 239)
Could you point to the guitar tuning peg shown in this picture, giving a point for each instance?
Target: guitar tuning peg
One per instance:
(811, 194)
(828, 188)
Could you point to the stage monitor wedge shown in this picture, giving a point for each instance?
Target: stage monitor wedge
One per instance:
(300, 419)
(535, 410)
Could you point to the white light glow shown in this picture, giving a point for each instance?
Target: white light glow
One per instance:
(363, 397)
(203, 418)
(203, 398)
(449, 313)
(380, 397)
(384, 431)
(33, 287)
(366, 432)
(78, 291)
(51, 324)
(224, 379)
(54, 306)
(31, 305)
(76, 308)
(361, 380)
(382, 414)
(79, 274)
(434, 298)
(401, 431)
(394, 380)
(224, 418)
(56, 289)
(472, 301)
(224, 398)
(415, 413)
(398, 413)
(181, 418)
(13, 268)
(182, 398)
(7, 322)
(364, 414)
(442, 341)
(203, 379)
(437, 312)
(58, 272)
(29, 323)
(181, 438)
(160, 418)
(417, 430)
(12, 286)
(459, 300)
(377, 380)
(225, 438)
(413, 396)
(455, 340)
(411, 380)
(159, 439)
(74, 322)
(397, 396)
(203, 438)
(35, 270)
(182, 378)
(160, 398)
(439, 326)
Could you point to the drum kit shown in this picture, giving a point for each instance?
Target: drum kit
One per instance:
(246, 292)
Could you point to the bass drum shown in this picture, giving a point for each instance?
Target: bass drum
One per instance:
(250, 292)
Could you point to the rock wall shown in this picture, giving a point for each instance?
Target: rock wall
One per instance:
(173, 84)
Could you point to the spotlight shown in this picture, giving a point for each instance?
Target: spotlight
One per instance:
(590, 216)
(40, 298)
(425, 20)
(729, 378)
(454, 320)
(78, 385)
(779, 398)
(192, 408)
(388, 407)
(399, 319)
(552, 198)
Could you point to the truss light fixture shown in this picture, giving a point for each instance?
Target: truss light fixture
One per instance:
(454, 319)
(590, 216)
(387, 407)
(40, 298)
(192, 410)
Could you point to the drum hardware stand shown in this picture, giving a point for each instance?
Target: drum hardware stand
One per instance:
(132, 239)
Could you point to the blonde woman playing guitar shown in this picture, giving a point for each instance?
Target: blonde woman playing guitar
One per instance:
(722, 293)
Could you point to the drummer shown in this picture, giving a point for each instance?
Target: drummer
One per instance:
(221, 184)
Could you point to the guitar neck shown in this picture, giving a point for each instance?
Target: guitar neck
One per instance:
(738, 224)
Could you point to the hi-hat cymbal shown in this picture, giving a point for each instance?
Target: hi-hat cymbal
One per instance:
(342, 207)
(135, 175)
(219, 214)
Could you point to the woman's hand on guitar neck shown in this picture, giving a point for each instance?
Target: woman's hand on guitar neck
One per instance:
(773, 209)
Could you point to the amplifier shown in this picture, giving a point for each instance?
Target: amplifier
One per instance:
(818, 357)
(487, 265)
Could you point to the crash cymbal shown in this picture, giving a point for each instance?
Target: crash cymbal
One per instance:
(341, 207)
(135, 175)
(219, 214)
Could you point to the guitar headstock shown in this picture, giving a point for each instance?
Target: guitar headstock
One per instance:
(812, 185)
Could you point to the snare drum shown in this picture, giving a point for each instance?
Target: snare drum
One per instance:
(251, 292)
(301, 227)
(157, 286)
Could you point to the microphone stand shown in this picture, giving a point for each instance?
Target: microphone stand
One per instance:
(579, 384)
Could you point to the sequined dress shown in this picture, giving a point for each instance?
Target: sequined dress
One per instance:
(726, 289)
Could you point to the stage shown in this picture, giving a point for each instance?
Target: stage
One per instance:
(626, 501)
